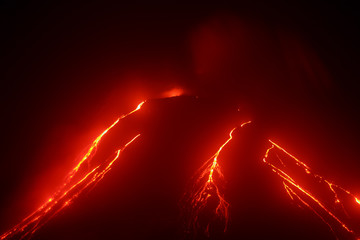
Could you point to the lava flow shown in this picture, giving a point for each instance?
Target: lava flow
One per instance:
(77, 181)
(205, 204)
(334, 205)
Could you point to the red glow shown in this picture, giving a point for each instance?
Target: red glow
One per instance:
(175, 92)
(76, 183)
(337, 213)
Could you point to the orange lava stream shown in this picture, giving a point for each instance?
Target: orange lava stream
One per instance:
(205, 190)
(214, 165)
(337, 214)
(95, 143)
(70, 190)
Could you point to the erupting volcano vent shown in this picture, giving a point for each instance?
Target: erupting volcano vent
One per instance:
(334, 205)
(206, 210)
(81, 178)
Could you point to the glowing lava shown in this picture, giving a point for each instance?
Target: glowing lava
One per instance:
(205, 204)
(77, 182)
(334, 205)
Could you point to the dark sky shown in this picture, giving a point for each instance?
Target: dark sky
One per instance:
(69, 69)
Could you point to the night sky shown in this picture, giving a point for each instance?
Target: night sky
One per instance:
(68, 70)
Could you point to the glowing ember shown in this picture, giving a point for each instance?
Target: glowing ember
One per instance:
(243, 124)
(76, 183)
(206, 198)
(327, 200)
